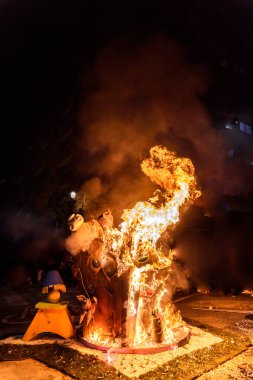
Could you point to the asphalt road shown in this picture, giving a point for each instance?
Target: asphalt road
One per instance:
(17, 307)
(230, 313)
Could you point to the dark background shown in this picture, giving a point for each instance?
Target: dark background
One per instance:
(47, 48)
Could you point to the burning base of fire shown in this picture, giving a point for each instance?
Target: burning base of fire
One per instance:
(180, 337)
(131, 366)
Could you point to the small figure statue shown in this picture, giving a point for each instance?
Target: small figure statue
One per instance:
(105, 292)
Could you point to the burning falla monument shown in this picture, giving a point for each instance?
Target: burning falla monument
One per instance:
(125, 273)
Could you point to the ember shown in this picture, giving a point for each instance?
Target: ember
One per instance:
(131, 255)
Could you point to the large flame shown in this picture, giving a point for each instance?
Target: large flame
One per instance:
(151, 314)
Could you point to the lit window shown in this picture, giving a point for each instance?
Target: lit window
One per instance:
(248, 130)
(245, 128)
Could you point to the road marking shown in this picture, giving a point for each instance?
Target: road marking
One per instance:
(184, 298)
(25, 312)
(13, 299)
(225, 310)
(7, 320)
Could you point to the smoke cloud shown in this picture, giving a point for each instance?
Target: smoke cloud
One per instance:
(217, 251)
(137, 97)
(147, 94)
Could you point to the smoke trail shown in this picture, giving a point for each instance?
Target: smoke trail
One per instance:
(140, 96)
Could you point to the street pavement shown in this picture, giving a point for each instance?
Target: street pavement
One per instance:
(222, 332)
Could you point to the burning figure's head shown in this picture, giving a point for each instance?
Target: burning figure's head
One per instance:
(106, 220)
(75, 221)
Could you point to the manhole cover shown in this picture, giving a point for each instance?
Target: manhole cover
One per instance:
(245, 324)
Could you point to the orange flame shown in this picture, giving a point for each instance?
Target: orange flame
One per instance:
(151, 314)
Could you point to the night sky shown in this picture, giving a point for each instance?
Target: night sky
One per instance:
(50, 53)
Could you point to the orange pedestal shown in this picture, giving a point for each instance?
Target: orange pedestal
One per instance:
(52, 318)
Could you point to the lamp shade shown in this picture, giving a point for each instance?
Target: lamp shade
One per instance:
(52, 277)
(52, 281)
